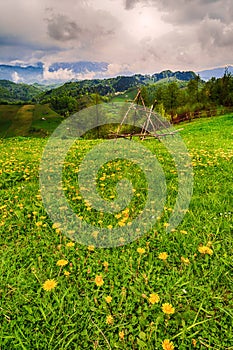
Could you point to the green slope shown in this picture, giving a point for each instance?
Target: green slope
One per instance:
(27, 120)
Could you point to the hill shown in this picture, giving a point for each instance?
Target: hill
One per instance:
(27, 120)
(115, 85)
(11, 92)
(15, 93)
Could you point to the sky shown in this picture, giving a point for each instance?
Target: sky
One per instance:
(140, 36)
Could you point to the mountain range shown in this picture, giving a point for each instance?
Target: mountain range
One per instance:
(54, 73)
(75, 71)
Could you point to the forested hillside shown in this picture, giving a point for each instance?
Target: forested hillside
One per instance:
(16, 93)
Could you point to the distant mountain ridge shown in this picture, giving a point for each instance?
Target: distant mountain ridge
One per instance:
(215, 72)
(61, 72)
(80, 67)
(55, 73)
(20, 73)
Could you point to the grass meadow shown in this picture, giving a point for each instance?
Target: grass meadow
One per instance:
(162, 291)
(27, 120)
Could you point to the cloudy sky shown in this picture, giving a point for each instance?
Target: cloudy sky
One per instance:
(144, 36)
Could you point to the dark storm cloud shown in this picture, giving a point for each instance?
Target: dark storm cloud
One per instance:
(85, 29)
(129, 4)
(61, 28)
(18, 41)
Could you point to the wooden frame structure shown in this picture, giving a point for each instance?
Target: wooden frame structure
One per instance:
(148, 123)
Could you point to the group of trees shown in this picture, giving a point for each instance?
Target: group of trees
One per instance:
(196, 95)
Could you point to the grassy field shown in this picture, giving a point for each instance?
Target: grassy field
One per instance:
(129, 95)
(27, 120)
(163, 291)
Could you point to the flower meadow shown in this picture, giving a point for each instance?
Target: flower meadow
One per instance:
(162, 291)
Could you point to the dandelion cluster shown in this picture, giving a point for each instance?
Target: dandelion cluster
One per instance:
(205, 250)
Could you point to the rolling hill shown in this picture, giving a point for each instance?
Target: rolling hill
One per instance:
(11, 92)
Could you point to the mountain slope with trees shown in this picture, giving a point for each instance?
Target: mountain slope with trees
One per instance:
(16, 93)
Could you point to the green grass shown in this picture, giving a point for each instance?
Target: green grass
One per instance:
(27, 120)
(7, 114)
(21, 122)
(73, 314)
(129, 95)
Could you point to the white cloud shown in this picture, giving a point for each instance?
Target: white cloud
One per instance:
(16, 78)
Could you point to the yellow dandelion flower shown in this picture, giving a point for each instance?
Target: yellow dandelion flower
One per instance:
(168, 309)
(185, 260)
(91, 248)
(117, 216)
(141, 250)
(109, 227)
(106, 264)
(154, 298)
(56, 225)
(121, 223)
(205, 250)
(167, 345)
(121, 335)
(99, 280)
(109, 319)
(183, 232)
(163, 256)
(194, 343)
(108, 299)
(49, 285)
(70, 244)
(62, 262)
(66, 273)
(39, 223)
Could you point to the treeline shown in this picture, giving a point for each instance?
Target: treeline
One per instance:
(174, 99)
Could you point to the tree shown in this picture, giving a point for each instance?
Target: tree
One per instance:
(63, 105)
(193, 89)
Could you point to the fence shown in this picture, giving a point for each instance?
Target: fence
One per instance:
(189, 116)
